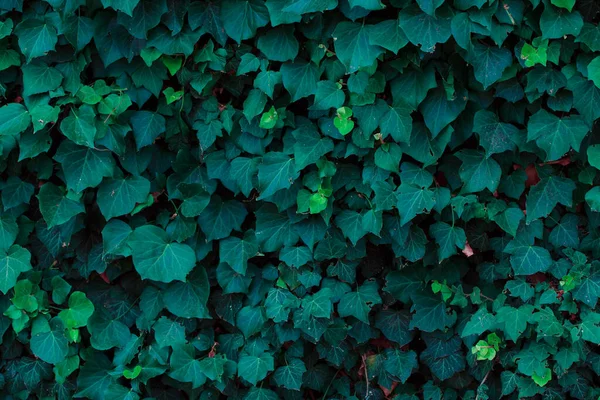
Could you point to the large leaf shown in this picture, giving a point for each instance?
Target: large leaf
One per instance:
(118, 197)
(156, 257)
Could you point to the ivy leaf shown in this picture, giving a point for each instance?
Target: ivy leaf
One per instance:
(254, 368)
(290, 375)
(478, 172)
(126, 6)
(57, 205)
(489, 62)
(400, 363)
(80, 126)
(589, 289)
(79, 311)
(557, 22)
(514, 320)
(51, 345)
(529, 260)
(494, 136)
(145, 16)
(83, 167)
(147, 126)
(300, 79)
(14, 119)
(12, 262)
(36, 37)
(279, 44)
(242, 18)
(556, 135)
(352, 46)
(431, 313)
(236, 252)
(359, 303)
(549, 192)
(351, 224)
(439, 111)
(412, 200)
(219, 218)
(156, 258)
(118, 197)
(276, 172)
(168, 333)
(448, 237)
(309, 147)
(424, 29)
(38, 77)
(184, 367)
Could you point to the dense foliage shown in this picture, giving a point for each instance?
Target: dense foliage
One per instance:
(299, 199)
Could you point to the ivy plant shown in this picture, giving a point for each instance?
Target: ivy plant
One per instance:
(299, 199)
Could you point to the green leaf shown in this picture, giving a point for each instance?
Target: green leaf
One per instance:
(118, 197)
(489, 62)
(542, 380)
(448, 237)
(424, 29)
(494, 136)
(352, 46)
(254, 368)
(254, 104)
(36, 37)
(12, 262)
(269, 119)
(79, 311)
(38, 77)
(309, 147)
(529, 260)
(439, 111)
(479, 322)
(300, 79)
(279, 44)
(568, 4)
(290, 375)
(51, 346)
(168, 333)
(478, 172)
(14, 119)
(351, 224)
(241, 18)
(397, 122)
(80, 126)
(156, 257)
(236, 252)
(127, 6)
(549, 192)
(412, 201)
(556, 135)
(359, 303)
(57, 205)
(145, 16)
(43, 114)
(184, 367)
(400, 363)
(82, 166)
(514, 320)
(221, 217)
(276, 172)
(147, 126)
(431, 313)
(556, 22)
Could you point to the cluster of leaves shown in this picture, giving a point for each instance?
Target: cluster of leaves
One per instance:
(266, 199)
